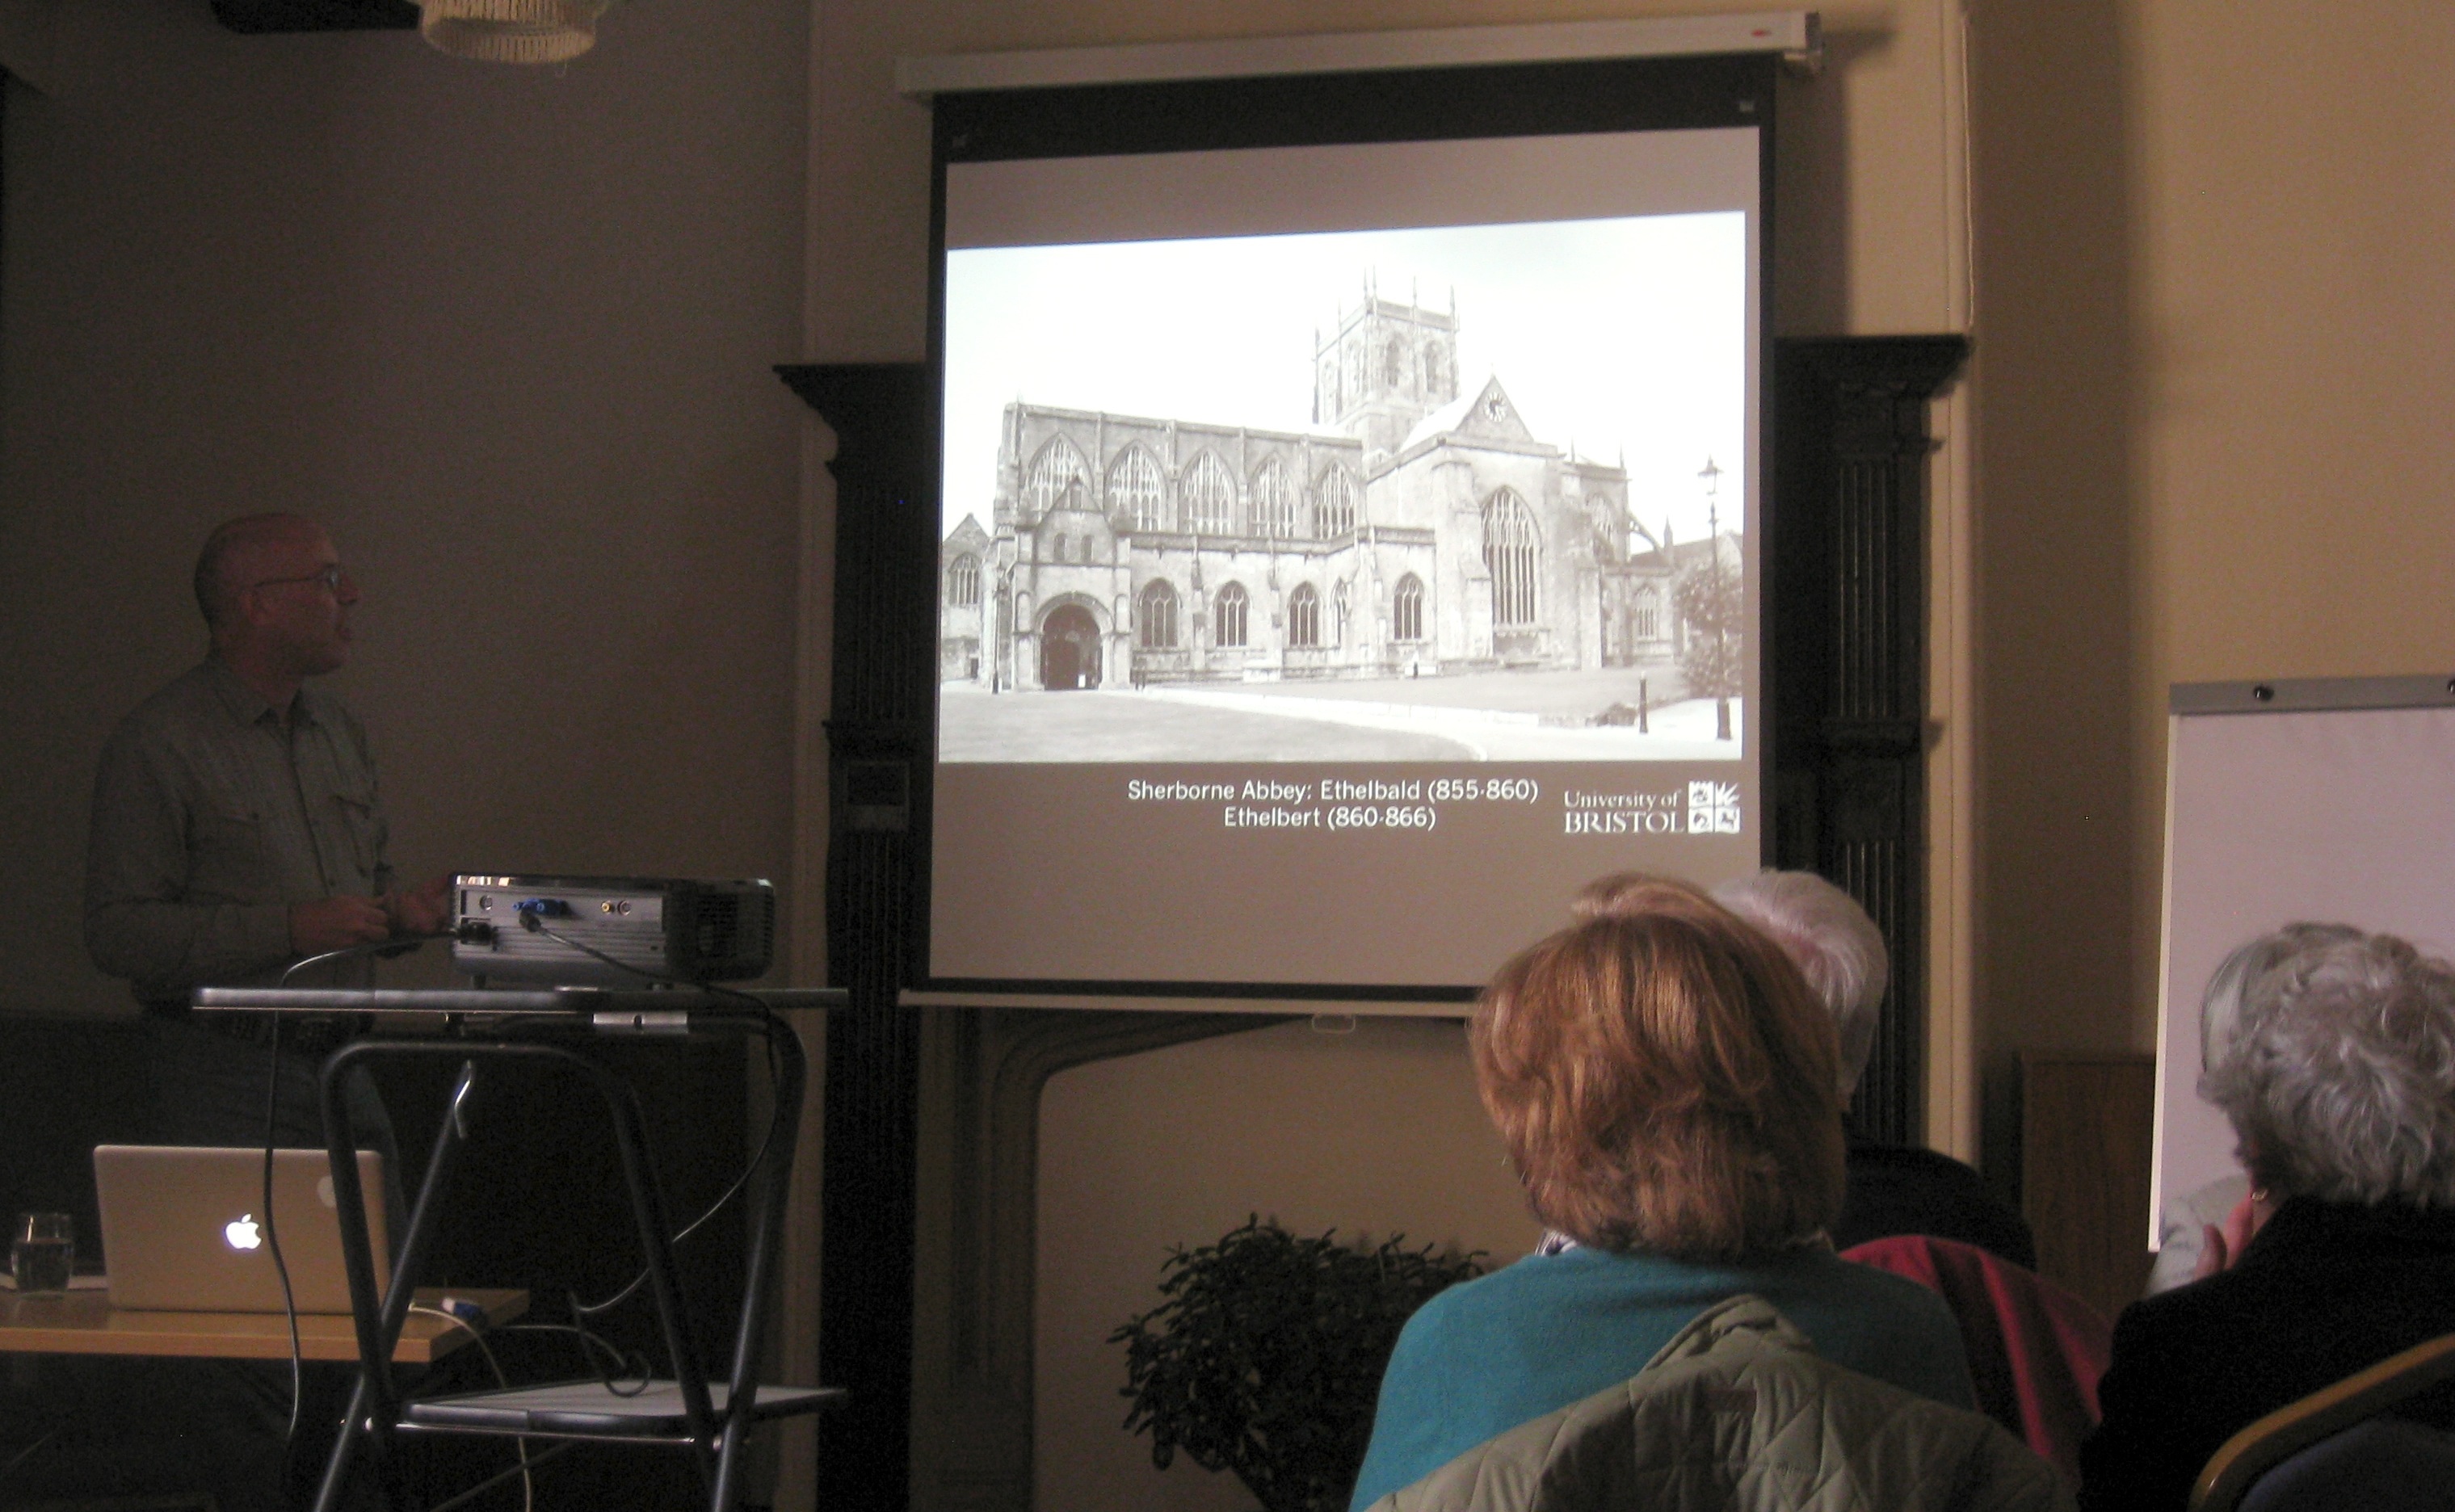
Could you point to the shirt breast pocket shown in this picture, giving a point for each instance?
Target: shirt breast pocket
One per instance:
(226, 856)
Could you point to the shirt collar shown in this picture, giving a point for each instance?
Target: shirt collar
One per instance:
(246, 706)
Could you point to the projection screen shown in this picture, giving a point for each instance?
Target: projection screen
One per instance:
(1349, 549)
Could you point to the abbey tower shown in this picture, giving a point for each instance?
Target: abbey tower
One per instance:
(1385, 367)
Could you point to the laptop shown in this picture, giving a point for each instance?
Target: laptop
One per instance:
(183, 1228)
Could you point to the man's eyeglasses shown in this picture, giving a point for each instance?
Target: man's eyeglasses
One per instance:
(330, 578)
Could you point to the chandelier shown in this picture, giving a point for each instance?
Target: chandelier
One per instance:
(511, 31)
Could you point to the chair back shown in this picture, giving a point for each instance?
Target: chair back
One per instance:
(2381, 1464)
(2322, 1426)
(2035, 1350)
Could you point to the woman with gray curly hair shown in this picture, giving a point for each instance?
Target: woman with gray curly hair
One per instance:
(2198, 1230)
(2338, 1073)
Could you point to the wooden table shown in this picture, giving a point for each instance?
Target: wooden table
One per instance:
(84, 1322)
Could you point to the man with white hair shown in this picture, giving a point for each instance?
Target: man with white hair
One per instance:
(1893, 1189)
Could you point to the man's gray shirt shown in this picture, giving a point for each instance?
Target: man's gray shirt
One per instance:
(211, 818)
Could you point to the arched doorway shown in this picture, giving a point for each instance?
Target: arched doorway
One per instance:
(1069, 648)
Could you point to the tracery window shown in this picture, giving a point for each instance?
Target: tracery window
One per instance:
(1513, 550)
(1135, 489)
(1649, 614)
(1334, 506)
(1304, 617)
(1056, 473)
(963, 581)
(1209, 497)
(1434, 380)
(1229, 621)
(1394, 363)
(1155, 616)
(1273, 500)
(1407, 609)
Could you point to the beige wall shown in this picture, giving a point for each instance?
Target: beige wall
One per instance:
(508, 330)
(2215, 266)
(2295, 467)
(2055, 568)
(1371, 1133)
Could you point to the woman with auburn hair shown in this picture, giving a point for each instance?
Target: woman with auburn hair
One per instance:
(1665, 1085)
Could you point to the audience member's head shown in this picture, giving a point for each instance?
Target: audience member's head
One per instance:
(1834, 944)
(2338, 1070)
(1663, 1079)
(2220, 1004)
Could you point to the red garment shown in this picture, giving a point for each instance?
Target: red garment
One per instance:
(2034, 1349)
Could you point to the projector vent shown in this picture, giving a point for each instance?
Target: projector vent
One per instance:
(722, 934)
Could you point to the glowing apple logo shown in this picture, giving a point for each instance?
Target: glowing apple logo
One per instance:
(242, 1234)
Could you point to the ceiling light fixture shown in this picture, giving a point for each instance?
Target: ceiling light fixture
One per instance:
(511, 31)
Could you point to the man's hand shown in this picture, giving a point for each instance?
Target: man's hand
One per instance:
(423, 910)
(336, 923)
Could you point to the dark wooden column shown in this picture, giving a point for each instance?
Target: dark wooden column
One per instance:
(1846, 572)
(887, 531)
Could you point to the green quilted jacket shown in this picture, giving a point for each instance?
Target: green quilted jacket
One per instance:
(1738, 1414)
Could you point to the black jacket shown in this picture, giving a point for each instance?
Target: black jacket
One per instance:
(1895, 1189)
(2325, 1290)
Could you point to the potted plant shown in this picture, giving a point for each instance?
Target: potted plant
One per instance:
(1265, 1356)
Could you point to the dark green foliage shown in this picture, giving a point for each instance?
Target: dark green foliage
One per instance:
(1711, 599)
(1266, 1356)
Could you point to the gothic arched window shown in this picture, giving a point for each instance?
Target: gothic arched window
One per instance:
(1135, 490)
(1155, 616)
(1394, 362)
(963, 581)
(1435, 382)
(1407, 609)
(1209, 497)
(1649, 614)
(1513, 550)
(1229, 621)
(1333, 502)
(1273, 500)
(1304, 617)
(1056, 473)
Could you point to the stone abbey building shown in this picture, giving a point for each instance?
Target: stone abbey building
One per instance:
(1418, 529)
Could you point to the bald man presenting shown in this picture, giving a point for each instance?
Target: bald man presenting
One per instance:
(236, 830)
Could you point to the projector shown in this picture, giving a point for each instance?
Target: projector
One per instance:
(611, 931)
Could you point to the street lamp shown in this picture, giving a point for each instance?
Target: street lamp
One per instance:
(1713, 476)
(995, 634)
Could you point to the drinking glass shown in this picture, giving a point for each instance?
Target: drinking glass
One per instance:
(42, 1251)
